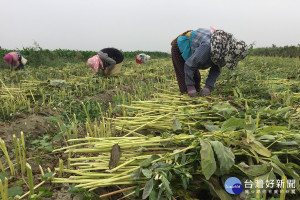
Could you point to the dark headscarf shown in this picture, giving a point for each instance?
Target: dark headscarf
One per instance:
(226, 50)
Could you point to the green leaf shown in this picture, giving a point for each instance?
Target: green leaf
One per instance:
(152, 195)
(148, 161)
(208, 163)
(255, 155)
(45, 192)
(49, 148)
(137, 190)
(72, 136)
(260, 149)
(211, 127)
(47, 176)
(57, 137)
(147, 173)
(160, 192)
(184, 181)
(166, 184)
(233, 124)
(14, 191)
(267, 138)
(176, 155)
(272, 129)
(148, 188)
(176, 124)
(250, 137)
(277, 169)
(169, 177)
(268, 176)
(54, 119)
(136, 174)
(250, 129)
(224, 155)
(183, 159)
(224, 108)
(254, 170)
(290, 171)
(222, 194)
(282, 110)
(288, 143)
(160, 165)
(3, 175)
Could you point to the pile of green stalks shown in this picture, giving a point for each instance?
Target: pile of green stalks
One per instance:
(201, 143)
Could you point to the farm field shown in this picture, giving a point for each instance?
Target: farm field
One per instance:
(68, 134)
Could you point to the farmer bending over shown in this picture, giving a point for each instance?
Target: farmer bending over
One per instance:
(109, 60)
(14, 59)
(142, 58)
(203, 49)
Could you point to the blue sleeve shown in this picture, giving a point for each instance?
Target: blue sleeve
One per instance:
(214, 73)
(200, 57)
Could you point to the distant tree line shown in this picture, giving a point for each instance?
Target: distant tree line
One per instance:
(286, 51)
(37, 56)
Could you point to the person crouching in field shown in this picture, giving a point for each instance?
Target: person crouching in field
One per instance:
(142, 58)
(109, 60)
(203, 49)
(15, 60)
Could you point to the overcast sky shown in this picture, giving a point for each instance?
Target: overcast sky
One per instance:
(143, 25)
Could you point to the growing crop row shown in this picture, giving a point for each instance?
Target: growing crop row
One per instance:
(37, 56)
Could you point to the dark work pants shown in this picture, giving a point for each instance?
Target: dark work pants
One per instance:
(178, 63)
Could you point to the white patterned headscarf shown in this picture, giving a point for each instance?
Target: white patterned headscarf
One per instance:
(226, 50)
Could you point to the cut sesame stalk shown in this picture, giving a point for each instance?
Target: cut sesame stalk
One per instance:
(42, 171)
(147, 124)
(30, 179)
(16, 151)
(4, 150)
(283, 188)
(22, 161)
(5, 188)
(35, 187)
(2, 190)
(61, 167)
(23, 148)
(1, 166)
(120, 166)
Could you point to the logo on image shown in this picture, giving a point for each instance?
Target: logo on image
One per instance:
(233, 185)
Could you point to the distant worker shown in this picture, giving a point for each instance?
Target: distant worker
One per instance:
(15, 60)
(109, 60)
(203, 49)
(142, 58)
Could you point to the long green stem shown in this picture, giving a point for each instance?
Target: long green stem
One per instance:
(30, 179)
(4, 150)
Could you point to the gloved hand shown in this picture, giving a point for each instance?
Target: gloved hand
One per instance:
(206, 90)
(191, 90)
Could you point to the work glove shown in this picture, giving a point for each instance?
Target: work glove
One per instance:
(191, 90)
(206, 90)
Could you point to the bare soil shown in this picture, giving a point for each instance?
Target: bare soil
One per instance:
(107, 96)
(33, 125)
